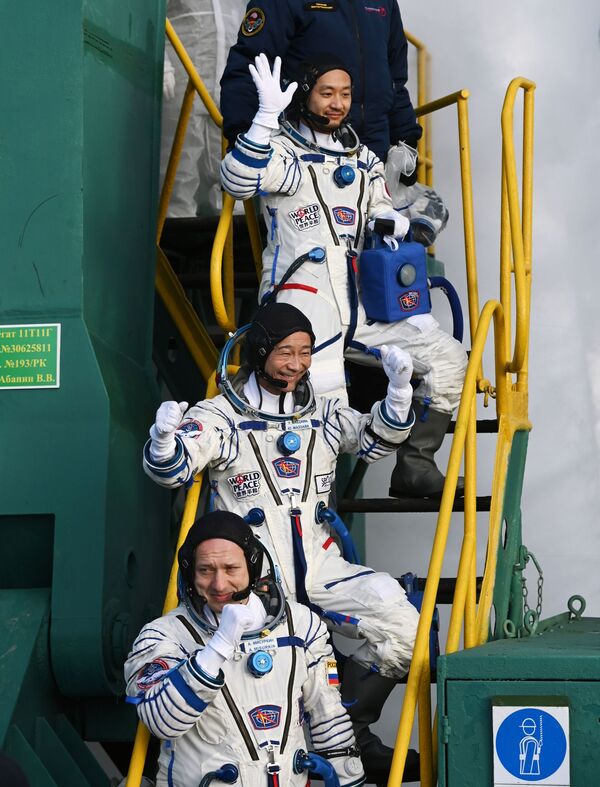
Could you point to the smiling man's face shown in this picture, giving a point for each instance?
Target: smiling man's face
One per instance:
(331, 97)
(220, 570)
(288, 361)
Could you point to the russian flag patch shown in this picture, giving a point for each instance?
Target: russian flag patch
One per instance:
(332, 673)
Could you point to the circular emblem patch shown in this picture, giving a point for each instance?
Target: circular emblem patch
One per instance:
(254, 21)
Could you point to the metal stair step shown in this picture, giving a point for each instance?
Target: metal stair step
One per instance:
(377, 505)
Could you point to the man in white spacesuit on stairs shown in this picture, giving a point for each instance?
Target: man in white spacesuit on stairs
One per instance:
(233, 677)
(270, 444)
(320, 187)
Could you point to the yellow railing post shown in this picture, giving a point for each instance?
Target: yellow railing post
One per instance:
(424, 165)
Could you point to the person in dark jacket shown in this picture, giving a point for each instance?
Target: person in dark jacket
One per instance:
(367, 33)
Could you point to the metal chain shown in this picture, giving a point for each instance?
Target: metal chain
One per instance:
(526, 556)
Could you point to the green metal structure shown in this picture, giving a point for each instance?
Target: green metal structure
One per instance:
(85, 535)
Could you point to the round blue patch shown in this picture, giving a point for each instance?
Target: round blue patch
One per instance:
(531, 744)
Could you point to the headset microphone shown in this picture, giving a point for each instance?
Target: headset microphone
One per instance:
(278, 383)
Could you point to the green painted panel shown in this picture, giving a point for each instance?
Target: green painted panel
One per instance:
(23, 621)
(468, 752)
(77, 244)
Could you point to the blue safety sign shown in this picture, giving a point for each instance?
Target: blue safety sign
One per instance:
(531, 745)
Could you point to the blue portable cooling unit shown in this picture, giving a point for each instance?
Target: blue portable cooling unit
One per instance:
(393, 282)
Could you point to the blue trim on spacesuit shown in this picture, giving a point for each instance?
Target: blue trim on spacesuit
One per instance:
(347, 579)
(186, 692)
(171, 467)
(325, 344)
(389, 421)
(249, 161)
(210, 681)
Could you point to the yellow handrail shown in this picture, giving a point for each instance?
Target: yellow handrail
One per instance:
(424, 165)
(492, 309)
(460, 98)
(511, 408)
(225, 320)
(519, 224)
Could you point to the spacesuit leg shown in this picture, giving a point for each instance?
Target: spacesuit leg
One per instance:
(327, 367)
(372, 607)
(440, 362)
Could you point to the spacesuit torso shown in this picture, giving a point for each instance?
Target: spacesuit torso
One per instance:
(248, 469)
(251, 722)
(312, 196)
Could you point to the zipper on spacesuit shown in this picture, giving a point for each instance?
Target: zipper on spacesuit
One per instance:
(324, 205)
(264, 468)
(359, 213)
(290, 690)
(308, 465)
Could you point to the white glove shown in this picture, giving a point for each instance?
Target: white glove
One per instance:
(397, 365)
(272, 100)
(236, 620)
(168, 80)
(162, 431)
(401, 223)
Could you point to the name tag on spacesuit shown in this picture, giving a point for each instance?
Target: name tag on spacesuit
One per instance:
(254, 645)
(297, 425)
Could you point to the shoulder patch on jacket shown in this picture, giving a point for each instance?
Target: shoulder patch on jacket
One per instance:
(253, 22)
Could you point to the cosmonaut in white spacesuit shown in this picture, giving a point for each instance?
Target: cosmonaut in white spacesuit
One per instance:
(320, 187)
(270, 444)
(234, 676)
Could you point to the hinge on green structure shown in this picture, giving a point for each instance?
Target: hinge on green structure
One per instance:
(446, 729)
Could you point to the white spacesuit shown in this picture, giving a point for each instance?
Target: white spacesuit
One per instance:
(321, 190)
(207, 29)
(241, 438)
(242, 687)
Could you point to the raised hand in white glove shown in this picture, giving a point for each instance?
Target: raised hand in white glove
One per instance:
(236, 620)
(168, 80)
(397, 365)
(162, 431)
(272, 100)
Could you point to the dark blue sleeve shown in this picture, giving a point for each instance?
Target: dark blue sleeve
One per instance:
(403, 121)
(239, 101)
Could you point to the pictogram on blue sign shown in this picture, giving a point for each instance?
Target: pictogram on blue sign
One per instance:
(531, 744)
